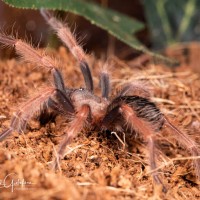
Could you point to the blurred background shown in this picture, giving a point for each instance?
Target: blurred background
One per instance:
(29, 24)
(165, 23)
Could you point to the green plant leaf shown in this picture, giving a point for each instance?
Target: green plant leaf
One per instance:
(117, 24)
(172, 21)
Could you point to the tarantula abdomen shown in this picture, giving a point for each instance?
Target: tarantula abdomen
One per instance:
(142, 107)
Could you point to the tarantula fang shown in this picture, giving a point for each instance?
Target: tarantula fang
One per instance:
(131, 107)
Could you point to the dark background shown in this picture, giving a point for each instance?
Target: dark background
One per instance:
(30, 25)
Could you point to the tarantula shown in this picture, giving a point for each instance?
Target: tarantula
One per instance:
(131, 107)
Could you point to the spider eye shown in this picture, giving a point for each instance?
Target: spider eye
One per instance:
(81, 89)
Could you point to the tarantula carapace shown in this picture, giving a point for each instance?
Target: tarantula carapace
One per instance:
(131, 107)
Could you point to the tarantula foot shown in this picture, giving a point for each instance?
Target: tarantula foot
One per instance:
(55, 164)
(5, 133)
(161, 187)
(159, 183)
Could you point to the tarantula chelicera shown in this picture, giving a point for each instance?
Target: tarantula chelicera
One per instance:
(131, 107)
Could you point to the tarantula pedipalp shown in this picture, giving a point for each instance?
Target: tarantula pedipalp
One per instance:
(132, 105)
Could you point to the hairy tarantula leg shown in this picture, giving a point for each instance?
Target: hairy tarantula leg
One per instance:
(105, 84)
(188, 143)
(26, 111)
(56, 108)
(29, 54)
(75, 126)
(65, 101)
(147, 131)
(64, 33)
(58, 80)
(152, 159)
(87, 75)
